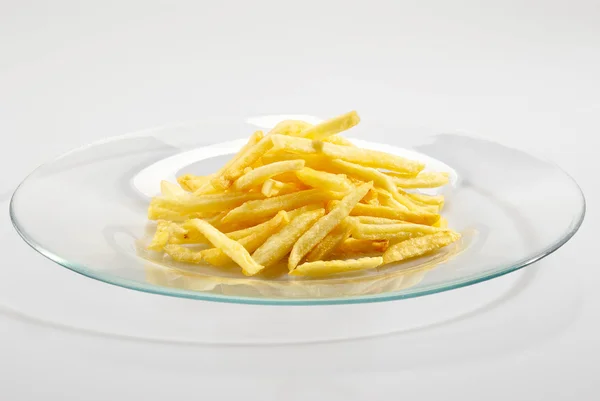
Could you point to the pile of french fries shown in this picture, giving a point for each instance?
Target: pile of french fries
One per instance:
(304, 195)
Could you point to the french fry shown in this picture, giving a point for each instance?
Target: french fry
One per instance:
(323, 180)
(391, 213)
(376, 220)
(210, 203)
(314, 161)
(441, 223)
(170, 190)
(391, 232)
(161, 236)
(257, 176)
(419, 246)
(331, 127)
(380, 180)
(338, 140)
(292, 214)
(224, 182)
(230, 247)
(330, 242)
(427, 199)
(290, 127)
(251, 241)
(192, 183)
(326, 224)
(325, 268)
(181, 254)
(278, 245)
(364, 157)
(387, 199)
(371, 198)
(423, 180)
(273, 187)
(353, 246)
(225, 178)
(268, 207)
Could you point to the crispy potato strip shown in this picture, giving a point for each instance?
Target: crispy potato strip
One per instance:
(251, 241)
(326, 224)
(225, 178)
(290, 127)
(353, 246)
(331, 127)
(391, 213)
(423, 180)
(391, 232)
(259, 175)
(192, 183)
(330, 242)
(230, 247)
(323, 180)
(277, 246)
(182, 254)
(204, 204)
(364, 157)
(325, 268)
(415, 247)
(268, 207)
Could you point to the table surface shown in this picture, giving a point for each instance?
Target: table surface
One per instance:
(523, 73)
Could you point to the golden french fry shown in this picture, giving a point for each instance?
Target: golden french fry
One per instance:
(191, 183)
(371, 198)
(225, 178)
(387, 199)
(419, 246)
(161, 236)
(441, 223)
(290, 127)
(331, 127)
(317, 162)
(278, 245)
(156, 211)
(364, 157)
(182, 254)
(353, 246)
(259, 175)
(380, 180)
(273, 187)
(427, 199)
(230, 247)
(210, 203)
(254, 238)
(376, 220)
(325, 268)
(218, 176)
(326, 224)
(391, 232)
(170, 190)
(423, 180)
(391, 213)
(268, 207)
(330, 242)
(292, 214)
(338, 140)
(323, 180)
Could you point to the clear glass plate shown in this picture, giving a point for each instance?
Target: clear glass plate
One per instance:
(86, 210)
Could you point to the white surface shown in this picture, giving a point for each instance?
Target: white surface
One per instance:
(521, 73)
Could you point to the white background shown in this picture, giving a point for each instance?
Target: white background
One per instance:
(523, 73)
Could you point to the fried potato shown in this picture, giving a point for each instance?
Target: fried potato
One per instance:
(326, 224)
(423, 180)
(364, 157)
(292, 214)
(427, 199)
(391, 232)
(192, 183)
(330, 242)
(331, 127)
(210, 203)
(273, 187)
(441, 223)
(225, 178)
(376, 220)
(371, 198)
(314, 161)
(277, 246)
(254, 238)
(391, 213)
(419, 246)
(161, 236)
(224, 182)
(325, 268)
(290, 127)
(230, 247)
(268, 207)
(338, 140)
(353, 246)
(323, 180)
(182, 254)
(257, 176)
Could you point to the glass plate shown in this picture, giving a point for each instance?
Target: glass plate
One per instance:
(86, 210)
